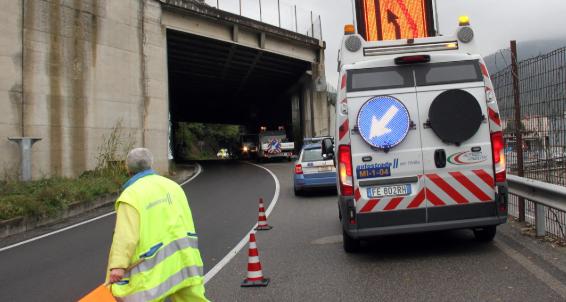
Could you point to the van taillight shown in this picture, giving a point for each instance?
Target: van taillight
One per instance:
(298, 169)
(345, 170)
(498, 156)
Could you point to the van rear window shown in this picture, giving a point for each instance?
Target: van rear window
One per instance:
(448, 73)
(379, 78)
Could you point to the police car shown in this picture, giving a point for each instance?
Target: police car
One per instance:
(419, 144)
(312, 170)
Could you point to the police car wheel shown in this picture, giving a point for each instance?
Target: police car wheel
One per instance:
(350, 244)
(485, 234)
(297, 192)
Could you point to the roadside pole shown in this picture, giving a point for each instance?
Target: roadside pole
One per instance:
(518, 134)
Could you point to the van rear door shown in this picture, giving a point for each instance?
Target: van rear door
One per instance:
(456, 141)
(389, 189)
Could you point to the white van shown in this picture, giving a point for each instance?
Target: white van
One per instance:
(419, 144)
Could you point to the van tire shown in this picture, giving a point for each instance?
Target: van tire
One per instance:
(485, 234)
(297, 192)
(350, 244)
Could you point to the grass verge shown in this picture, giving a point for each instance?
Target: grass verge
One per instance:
(50, 196)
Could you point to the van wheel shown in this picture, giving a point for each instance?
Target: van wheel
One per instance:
(485, 234)
(297, 192)
(351, 245)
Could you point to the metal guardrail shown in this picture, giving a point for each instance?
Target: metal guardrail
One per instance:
(547, 199)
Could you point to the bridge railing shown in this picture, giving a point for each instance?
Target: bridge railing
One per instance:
(274, 12)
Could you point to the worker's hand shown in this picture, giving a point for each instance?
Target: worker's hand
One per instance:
(116, 274)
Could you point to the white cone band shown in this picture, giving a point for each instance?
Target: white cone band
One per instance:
(256, 274)
(253, 259)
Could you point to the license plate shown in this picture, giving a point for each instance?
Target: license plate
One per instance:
(385, 191)
(324, 169)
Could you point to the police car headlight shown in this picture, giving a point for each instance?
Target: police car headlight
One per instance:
(465, 34)
(353, 43)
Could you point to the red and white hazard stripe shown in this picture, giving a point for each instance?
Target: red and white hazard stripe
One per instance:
(459, 188)
(492, 108)
(414, 201)
(343, 123)
(434, 190)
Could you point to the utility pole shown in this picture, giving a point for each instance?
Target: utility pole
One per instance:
(518, 134)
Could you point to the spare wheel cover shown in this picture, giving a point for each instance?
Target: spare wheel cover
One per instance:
(455, 116)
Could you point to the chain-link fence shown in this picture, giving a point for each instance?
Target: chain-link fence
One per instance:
(542, 128)
(275, 12)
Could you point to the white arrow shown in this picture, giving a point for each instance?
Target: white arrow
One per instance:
(379, 127)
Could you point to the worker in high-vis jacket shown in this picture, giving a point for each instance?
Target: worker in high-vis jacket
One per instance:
(154, 253)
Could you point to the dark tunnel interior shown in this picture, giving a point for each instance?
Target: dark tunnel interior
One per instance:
(212, 81)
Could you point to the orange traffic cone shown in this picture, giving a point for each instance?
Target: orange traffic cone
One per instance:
(262, 219)
(255, 276)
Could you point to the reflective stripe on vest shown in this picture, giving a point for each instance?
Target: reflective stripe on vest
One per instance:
(164, 252)
(161, 289)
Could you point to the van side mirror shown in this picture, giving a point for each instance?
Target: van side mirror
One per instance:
(327, 148)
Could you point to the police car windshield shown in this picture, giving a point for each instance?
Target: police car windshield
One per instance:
(312, 155)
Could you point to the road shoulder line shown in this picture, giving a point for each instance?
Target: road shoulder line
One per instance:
(222, 263)
(533, 268)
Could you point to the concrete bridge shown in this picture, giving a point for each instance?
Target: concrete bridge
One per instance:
(73, 70)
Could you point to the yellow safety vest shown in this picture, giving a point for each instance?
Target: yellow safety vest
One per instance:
(165, 218)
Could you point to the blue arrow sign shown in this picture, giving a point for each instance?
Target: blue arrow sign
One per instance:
(383, 122)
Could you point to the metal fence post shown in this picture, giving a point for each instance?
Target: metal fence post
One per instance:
(540, 220)
(518, 123)
(260, 19)
(320, 27)
(279, 11)
(240, 7)
(218, 4)
(312, 25)
(296, 20)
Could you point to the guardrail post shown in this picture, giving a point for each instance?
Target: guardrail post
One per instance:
(540, 220)
(518, 134)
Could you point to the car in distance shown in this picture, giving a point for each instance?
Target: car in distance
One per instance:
(223, 154)
(313, 171)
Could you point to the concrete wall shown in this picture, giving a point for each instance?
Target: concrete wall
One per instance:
(72, 70)
(10, 84)
(88, 66)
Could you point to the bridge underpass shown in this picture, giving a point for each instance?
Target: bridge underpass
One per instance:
(228, 69)
(212, 81)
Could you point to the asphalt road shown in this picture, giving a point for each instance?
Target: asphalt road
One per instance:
(302, 254)
(304, 258)
(67, 265)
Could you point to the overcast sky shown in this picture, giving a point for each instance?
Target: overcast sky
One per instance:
(495, 22)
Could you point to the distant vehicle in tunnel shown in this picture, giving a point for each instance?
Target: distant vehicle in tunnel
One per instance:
(274, 144)
(419, 143)
(248, 146)
(313, 171)
(223, 154)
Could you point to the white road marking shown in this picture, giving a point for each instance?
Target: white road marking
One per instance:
(210, 274)
(199, 170)
(534, 269)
